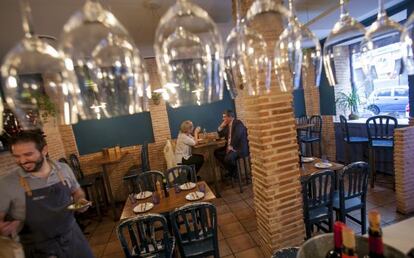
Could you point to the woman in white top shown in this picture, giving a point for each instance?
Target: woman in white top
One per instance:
(185, 141)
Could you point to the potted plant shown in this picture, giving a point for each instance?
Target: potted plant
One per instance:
(156, 98)
(349, 101)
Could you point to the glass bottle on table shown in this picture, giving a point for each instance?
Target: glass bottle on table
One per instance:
(165, 187)
(348, 243)
(337, 251)
(375, 243)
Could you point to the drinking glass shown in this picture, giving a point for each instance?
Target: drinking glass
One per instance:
(110, 71)
(202, 187)
(408, 46)
(177, 188)
(338, 43)
(189, 54)
(155, 198)
(374, 38)
(38, 81)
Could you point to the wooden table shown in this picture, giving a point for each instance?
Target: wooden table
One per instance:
(105, 162)
(211, 147)
(309, 169)
(175, 200)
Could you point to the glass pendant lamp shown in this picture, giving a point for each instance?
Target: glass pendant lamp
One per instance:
(407, 38)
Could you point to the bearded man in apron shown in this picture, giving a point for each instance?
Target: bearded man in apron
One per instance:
(34, 200)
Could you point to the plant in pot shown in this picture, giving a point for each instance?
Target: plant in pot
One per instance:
(349, 101)
(156, 98)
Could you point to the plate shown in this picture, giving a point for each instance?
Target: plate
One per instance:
(143, 207)
(78, 206)
(307, 159)
(143, 195)
(323, 165)
(187, 186)
(194, 196)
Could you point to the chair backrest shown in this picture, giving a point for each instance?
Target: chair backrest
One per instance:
(145, 236)
(74, 161)
(381, 127)
(194, 224)
(317, 191)
(316, 121)
(302, 120)
(147, 181)
(344, 127)
(180, 175)
(145, 157)
(353, 181)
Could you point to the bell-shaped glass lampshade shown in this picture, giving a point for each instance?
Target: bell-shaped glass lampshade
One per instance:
(383, 32)
(108, 66)
(38, 81)
(189, 54)
(336, 47)
(407, 38)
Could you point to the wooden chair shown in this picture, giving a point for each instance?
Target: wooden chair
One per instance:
(146, 236)
(195, 228)
(350, 140)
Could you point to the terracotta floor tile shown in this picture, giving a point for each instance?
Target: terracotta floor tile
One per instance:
(226, 218)
(232, 198)
(222, 209)
(228, 256)
(112, 248)
(238, 205)
(246, 213)
(219, 234)
(218, 201)
(98, 250)
(240, 243)
(249, 224)
(232, 229)
(224, 248)
(114, 236)
(105, 227)
(250, 253)
(115, 255)
(255, 236)
(98, 239)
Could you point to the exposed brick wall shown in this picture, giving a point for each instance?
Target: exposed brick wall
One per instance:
(404, 169)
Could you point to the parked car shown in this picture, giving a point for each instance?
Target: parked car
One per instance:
(388, 100)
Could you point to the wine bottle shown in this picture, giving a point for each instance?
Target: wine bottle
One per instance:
(166, 188)
(348, 243)
(376, 246)
(337, 251)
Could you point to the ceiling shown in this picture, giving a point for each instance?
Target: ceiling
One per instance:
(140, 19)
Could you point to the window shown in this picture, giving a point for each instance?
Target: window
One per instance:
(384, 93)
(400, 92)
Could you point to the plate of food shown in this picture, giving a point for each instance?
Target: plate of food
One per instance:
(187, 186)
(143, 207)
(323, 165)
(308, 159)
(194, 196)
(143, 195)
(79, 205)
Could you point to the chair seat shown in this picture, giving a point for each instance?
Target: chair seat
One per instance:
(86, 182)
(309, 139)
(382, 143)
(318, 213)
(197, 248)
(349, 204)
(356, 139)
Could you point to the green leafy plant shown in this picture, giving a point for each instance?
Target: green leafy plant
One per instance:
(45, 105)
(349, 101)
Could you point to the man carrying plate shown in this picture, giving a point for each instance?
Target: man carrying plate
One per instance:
(34, 201)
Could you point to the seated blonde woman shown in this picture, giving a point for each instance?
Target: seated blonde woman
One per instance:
(185, 141)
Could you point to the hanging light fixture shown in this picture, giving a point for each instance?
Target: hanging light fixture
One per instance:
(408, 45)
(189, 55)
(110, 71)
(247, 66)
(337, 44)
(37, 81)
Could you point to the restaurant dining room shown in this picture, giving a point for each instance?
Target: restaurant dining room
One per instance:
(206, 128)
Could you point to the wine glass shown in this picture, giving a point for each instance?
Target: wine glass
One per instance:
(38, 81)
(408, 46)
(110, 71)
(247, 65)
(374, 38)
(189, 55)
(337, 44)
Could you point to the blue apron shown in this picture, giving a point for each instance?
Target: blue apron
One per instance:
(50, 230)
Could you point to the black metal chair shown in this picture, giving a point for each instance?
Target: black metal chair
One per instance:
(133, 173)
(353, 185)
(380, 131)
(318, 194)
(147, 181)
(302, 120)
(146, 236)
(180, 175)
(288, 252)
(313, 134)
(195, 229)
(243, 167)
(93, 184)
(350, 140)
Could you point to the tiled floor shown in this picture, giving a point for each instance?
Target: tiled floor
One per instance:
(237, 224)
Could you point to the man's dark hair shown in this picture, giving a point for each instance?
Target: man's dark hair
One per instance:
(35, 136)
(228, 112)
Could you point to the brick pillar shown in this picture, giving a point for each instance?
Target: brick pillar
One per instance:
(274, 154)
(404, 169)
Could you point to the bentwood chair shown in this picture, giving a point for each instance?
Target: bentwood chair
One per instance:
(133, 173)
(353, 185)
(318, 193)
(314, 134)
(181, 174)
(146, 236)
(350, 140)
(195, 228)
(380, 131)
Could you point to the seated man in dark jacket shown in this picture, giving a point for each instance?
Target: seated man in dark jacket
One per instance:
(236, 142)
